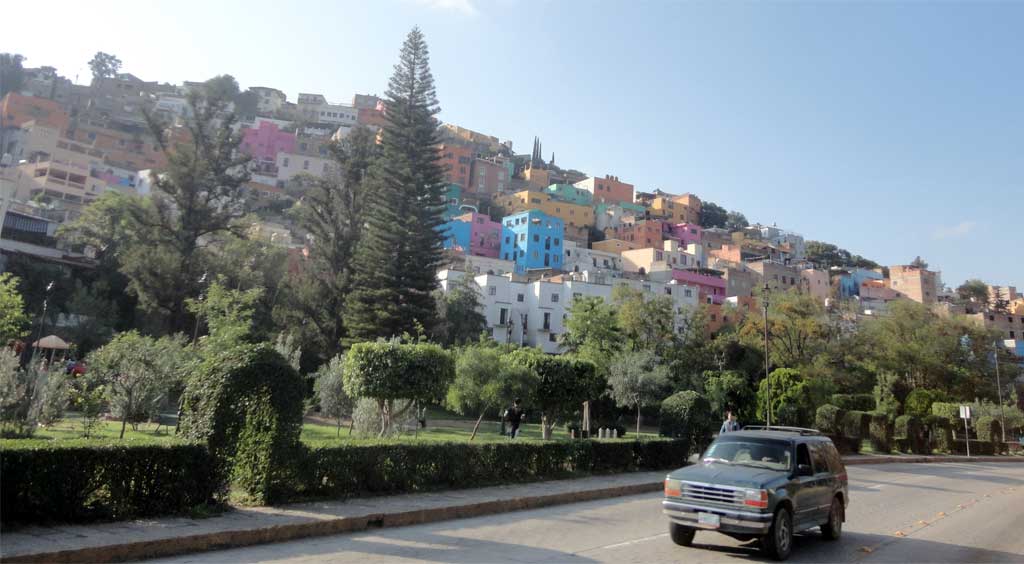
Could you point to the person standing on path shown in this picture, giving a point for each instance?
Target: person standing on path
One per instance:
(514, 416)
(730, 424)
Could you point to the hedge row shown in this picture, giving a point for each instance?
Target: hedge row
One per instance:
(82, 482)
(854, 402)
(389, 468)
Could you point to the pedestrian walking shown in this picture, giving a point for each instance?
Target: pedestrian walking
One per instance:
(514, 415)
(730, 424)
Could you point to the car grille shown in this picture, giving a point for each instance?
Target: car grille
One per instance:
(706, 493)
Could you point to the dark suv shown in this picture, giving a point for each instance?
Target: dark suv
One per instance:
(760, 483)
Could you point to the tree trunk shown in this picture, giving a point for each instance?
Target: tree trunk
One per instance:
(124, 423)
(545, 429)
(478, 420)
(352, 424)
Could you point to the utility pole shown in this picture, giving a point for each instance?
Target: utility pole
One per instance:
(768, 385)
(999, 388)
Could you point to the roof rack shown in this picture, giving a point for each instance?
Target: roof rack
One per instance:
(783, 429)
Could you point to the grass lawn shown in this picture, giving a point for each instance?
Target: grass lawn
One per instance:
(313, 432)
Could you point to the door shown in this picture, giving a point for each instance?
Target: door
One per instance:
(824, 481)
(808, 494)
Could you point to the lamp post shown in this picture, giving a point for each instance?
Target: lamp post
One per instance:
(999, 388)
(42, 322)
(195, 330)
(768, 385)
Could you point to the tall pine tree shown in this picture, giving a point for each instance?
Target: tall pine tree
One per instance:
(400, 249)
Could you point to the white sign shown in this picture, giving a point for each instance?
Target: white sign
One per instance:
(965, 412)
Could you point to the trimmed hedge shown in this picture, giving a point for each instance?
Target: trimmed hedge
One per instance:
(855, 424)
(978, 448)
(686, 415)
(854, 402)
(75, 482)
(828, 419)
(390, 468)
(908, 433)
(949, 411)
(940, 432)
(989, 430)
(880, 432)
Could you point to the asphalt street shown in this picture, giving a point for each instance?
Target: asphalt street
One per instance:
(898, 513)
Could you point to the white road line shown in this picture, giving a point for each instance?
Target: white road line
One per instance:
(627, 543)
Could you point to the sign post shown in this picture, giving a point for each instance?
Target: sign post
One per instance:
(965, 414)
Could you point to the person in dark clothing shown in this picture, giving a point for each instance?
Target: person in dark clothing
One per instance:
(514, 415)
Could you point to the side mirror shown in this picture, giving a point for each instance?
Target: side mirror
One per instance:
(804, 470)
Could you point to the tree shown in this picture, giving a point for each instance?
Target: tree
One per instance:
(918, 262)
(221, 87)
(332, 212)
(137, 372)
(638, 379)
(647, 324)
(735, 221)
(592, 332)
(330, 390)
(459, 313)
(798, 328)
(246, 103)
(827, 255)
(686, 415)
(397, 258)
(730, 391)
(104, 65)
(973, 290)
(712, 215)
(484, 380)
(789, 397)
(228, 314)
(13, 321)
(12, 75)
(564, 383)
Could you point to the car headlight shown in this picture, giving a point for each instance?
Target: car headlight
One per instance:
(756, 498)
(673, 488)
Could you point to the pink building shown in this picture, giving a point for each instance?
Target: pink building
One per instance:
(263, 143)
(711, 287)
(484, 234)
(685, 233)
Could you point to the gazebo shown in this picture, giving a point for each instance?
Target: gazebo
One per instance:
(52, 343)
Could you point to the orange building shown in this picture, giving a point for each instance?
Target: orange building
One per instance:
(578, 219)
(640, 235)
(16, 110)
(915, 283)
(608, 190)
(132, 151)
(457, 162)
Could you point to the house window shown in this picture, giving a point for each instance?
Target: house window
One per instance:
(492, 291)
(503, 317)
(556, 242)
(522, 236)
(552, 337)
(536, 238)
(688, 293)
(554, 298)
(520, 297)
(305, 165)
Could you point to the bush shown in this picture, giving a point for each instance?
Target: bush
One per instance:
(687, 415)
(880, 432)
(949, 411)
(828, 419)
(909, 435)
(563, 383)
(919, 402)
(246, 404)
(70, 481)
(978, 448)
(989, 430)
(940, 433)
(854, 402)
(790, 398)
(392, 468)
(855, 424)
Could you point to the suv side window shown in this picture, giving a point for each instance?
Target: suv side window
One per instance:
(802, 457)
(820, 460)
(835, 462)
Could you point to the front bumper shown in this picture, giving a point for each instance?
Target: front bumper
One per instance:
(732, 521)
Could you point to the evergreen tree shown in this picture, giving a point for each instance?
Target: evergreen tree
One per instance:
(397, 258)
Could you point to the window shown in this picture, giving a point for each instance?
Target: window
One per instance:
(547, 320)
(688, 293)
(536, 238)
(819, 458)
(492, 291)
(552, 337)
(503, 317)
(520, 297)
(554, 298)
(522, 236)
(507, 239)
(576, 295)
(305, 165)
(556, 243)
(668, 290)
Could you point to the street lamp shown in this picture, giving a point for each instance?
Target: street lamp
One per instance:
(999, 388)
(195, 330)
(768, 385)
(42, 322)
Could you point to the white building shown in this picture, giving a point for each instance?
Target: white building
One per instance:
(533, 313)
(582, 259)
(779, 237)
(268, 100)
(170, 107)
(612, 216)
(314, 108)
(291, 164)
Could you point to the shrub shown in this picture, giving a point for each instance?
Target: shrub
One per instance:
(909, 435)
(731, 391)
(71, 481)
(246, 404)
(989, 430)
(828, 419)
(855, 424)
(940, 433)
(391, 468)
(854, 402)
(948, 411)
(880, 432)
(687, 415)
(790, 398)
(563, 384)
(919, 402)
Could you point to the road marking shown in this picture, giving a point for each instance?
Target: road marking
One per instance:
(627, 543)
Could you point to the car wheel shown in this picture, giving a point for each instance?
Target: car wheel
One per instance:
(779, 541)
(833, 529)
(683, 536)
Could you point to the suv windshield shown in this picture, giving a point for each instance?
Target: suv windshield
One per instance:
(773, 456)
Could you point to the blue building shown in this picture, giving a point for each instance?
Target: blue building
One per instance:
(533, 240)
(850, 280)
(457, 234)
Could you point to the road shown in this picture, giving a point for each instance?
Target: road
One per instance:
(898, 513)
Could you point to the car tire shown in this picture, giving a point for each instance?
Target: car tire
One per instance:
(681, 535)
(833, 529)
(778, 543)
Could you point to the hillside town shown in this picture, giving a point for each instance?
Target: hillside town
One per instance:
(532, 233)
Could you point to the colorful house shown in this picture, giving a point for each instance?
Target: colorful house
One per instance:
(608, 190)
(571, 194)
(263, 143)
(474, 234)
(533, 240)
(685, 233)
(710, 284)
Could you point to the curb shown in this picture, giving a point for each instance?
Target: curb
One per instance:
(281, 533)
(927, 459)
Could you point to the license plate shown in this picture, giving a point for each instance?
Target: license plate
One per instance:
(709, 520)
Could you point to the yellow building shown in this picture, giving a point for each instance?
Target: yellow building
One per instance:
(677, 209)
(578, 219)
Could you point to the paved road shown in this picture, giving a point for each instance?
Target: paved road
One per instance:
(899, 513)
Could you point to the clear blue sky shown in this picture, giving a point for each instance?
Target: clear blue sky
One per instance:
(892, 130)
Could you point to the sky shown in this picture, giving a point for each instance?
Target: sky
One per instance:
(890, 129)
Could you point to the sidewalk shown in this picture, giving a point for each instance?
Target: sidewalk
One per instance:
(246, 526)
